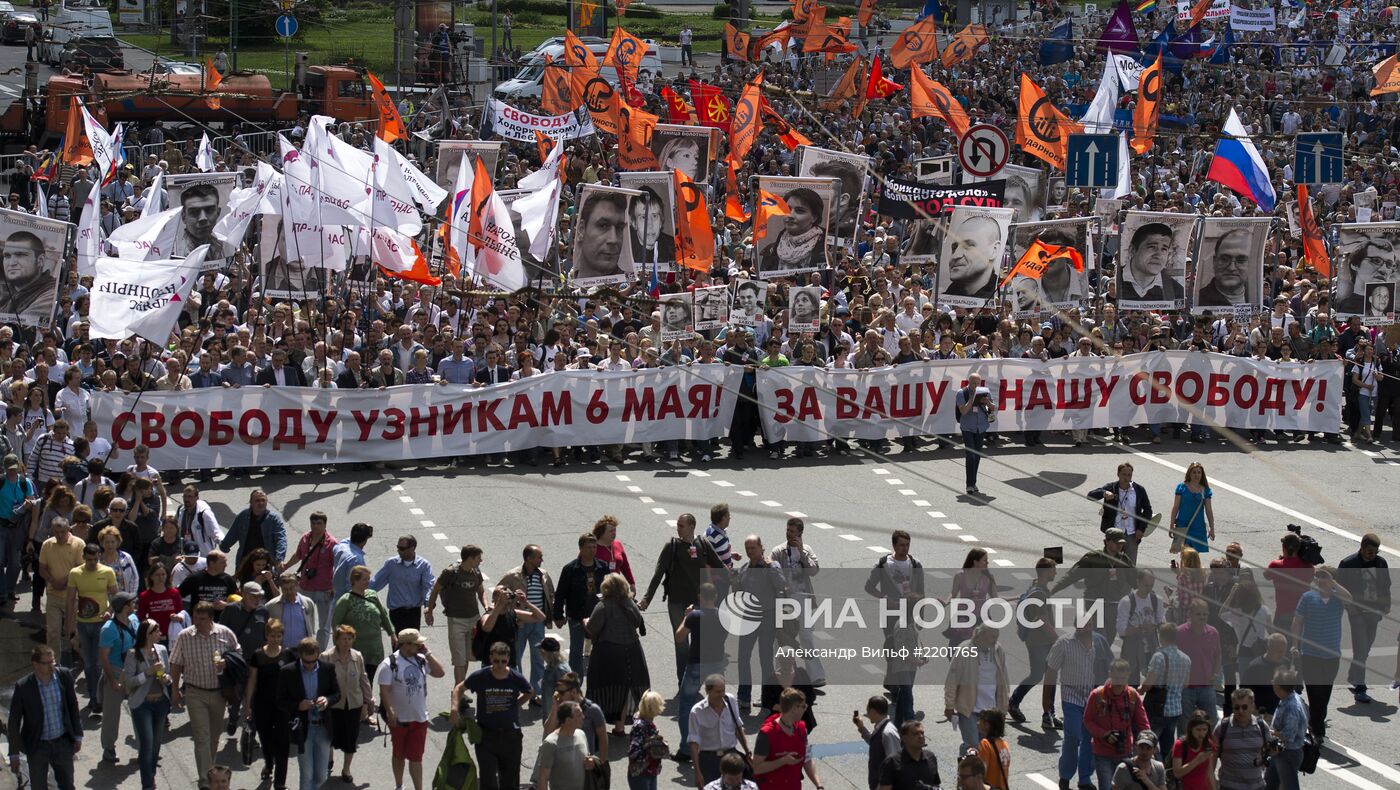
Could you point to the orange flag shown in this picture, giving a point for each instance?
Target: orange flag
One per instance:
(802, 27)
(803, 9)
(1387, 76)
(879, 87)
(634, 139)
(603, 104)
(576, 53)
(1148, 107)
(711, 106)
(625, 52)
(848, 87)
(583, 69)
(736, 42)
(790, 136)
(1199, 11)
(212, 76)
(964, 45)
(744, 129)
(867, 10)
(1038, 258)
(917, 44)
(770, 206)
(1314, 248)
(1041, 129)
(733, 204)
(931, 100)
(825, 38)
(695, 238)
(77, 151)
(391, 126)
(556, 96)
(543, 144)
(420, 272)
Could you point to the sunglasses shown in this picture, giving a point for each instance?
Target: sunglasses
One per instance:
(1240, 707)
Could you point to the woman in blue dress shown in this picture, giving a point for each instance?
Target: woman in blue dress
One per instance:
(1191, 511)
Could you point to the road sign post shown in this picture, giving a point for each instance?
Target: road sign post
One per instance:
(984, 150)
(1092, 160)
(286, 27)
(1317, 158)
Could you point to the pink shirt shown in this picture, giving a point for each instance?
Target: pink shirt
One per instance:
(1203, 650)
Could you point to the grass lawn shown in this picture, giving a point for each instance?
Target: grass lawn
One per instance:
(366, 35)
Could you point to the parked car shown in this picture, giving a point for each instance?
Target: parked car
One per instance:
(163, 66)
(12, 26)
(97, 53)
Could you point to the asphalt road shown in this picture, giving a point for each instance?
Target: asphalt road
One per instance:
(1032, 500)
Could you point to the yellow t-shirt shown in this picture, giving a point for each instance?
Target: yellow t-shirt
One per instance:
(59, 559)
(92, 590)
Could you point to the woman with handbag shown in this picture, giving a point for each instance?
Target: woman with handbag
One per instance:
(260, 704)
(1193, 497)
(617, 670)
(356, 697)
(147, 685)
(1245, 612)
(647, 749)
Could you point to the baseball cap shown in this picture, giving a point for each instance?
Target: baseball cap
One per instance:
(122, 599)
(1115, 535)
(410, 636)
(252, 588)
(11, 461)
(190, 549)
(1147, 737)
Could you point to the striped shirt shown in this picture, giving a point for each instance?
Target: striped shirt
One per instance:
(1074, 663)
(1170, 668)
(1241, 752)
(47, 459)
(719, 541)
(194, 654)
(534, 589)
(1322, 625)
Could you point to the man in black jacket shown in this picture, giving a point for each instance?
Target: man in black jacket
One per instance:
(580, 584)
(1125, 506)
(305, 691)
(354, 376)
(1365, 575)
(47, 744)
(280, 374)
(681, 568)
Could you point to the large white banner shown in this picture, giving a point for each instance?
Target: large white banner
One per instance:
(514, 124)
(810, 404)
(1252, 19)
(277, 426)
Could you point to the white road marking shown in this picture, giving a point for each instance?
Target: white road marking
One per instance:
(797, 514)
(646, 500)
(936, 514)
(877, 549)
(770, 503)
(1347, 776)
(745, 493)
(880, 471)
(853, 538)
(428, 524)
(623, 479)
(634, 489)
(1048, 784)
(1369, 762)
(723, 483)
(895, 481)
(698, 473)
(417, 511)
(394, 488)
(1004, 563)
(952, 526)
(1291, 513)
(822, 525)
(660, 511)
(407, 500)
(439, 536)
(1371, 453)
(921, 503)
(908, 492)
(452, 549)
(968, 538)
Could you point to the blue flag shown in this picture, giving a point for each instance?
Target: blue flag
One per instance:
(1058, 47)
(1222, 52)
(930, 9)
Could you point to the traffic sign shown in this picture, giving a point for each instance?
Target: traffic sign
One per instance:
(1317, 158)
(286, 26)
(936, 169)
(1092, 160)
(984, 150)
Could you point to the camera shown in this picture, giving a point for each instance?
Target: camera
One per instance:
(1116, 736)
(309, 573)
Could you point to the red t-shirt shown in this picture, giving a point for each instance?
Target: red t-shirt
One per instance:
(319, 558)
(159, 607)
(779, 742)
(1290, 585)
(1199, 778)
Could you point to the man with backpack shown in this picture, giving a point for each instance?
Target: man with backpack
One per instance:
(1140, 612)
(680, 570)
(403, 691)
(1113, 716)
(1037, 639)
(1240, 741)
(882, 736)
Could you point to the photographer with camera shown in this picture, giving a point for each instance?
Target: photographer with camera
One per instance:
(976, 413)
(1288, 732)
(1113, 716)
(1141, 772)
(1242, 739)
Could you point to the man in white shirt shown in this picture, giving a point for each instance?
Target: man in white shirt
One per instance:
(1139, 614)
(403, 690)
(713, 731)
(72, 401)
(908, 320)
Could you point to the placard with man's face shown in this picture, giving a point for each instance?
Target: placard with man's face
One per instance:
(1365, 253)
(852, 174)
(1152, 252)
(1060, 286)
(973, 247)
(711, 307)
(750, 301)
(602, 252)
(203, 199)
(677, 316)
(31, 262)
(1230, 264)
(652, 216)
(452, 153)
(283, 278)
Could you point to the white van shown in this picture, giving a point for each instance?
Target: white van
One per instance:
(74, 19)
(529, 81)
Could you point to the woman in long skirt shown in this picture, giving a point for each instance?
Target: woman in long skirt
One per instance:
(617, 668)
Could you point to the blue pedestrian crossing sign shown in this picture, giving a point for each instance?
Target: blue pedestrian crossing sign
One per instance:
(1317, 158)
(286, 26)
(1092, 160)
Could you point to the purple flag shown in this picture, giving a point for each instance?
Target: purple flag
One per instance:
(1119, 35)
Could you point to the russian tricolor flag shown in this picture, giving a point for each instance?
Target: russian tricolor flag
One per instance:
(1238, 165)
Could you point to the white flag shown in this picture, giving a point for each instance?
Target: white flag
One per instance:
(147, 238)
(426, 193)
(141, 298)
(263, 197)
(459, 214)
(42, 207)
(393, 204)
(1124, 187)
(539, 217)
(104, 153)
(155, 197)
(392, 251)
(89, 234)
(1129, 71)
(498, 260)
(340, 174)
(1098, 119)
(548, 171)
(305, 237)
(204, 160)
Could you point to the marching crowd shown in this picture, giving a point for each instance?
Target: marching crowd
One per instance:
(159, 606)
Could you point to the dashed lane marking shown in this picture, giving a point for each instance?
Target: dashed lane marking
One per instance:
(852, 538)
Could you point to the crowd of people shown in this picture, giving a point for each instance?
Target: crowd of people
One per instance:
(1194, 686)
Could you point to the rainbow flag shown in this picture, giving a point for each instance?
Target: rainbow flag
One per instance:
(1143, 6)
